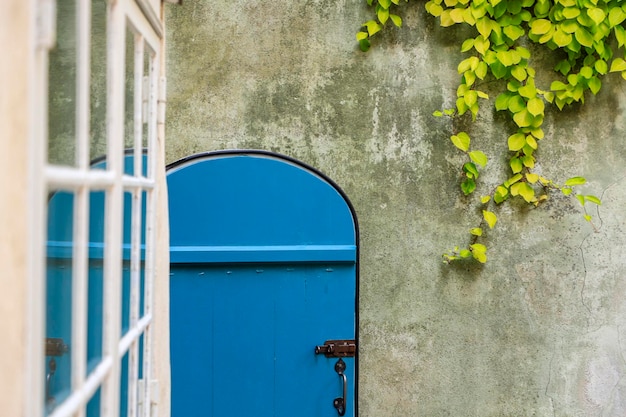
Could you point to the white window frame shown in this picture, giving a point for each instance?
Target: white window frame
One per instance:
(139, 17)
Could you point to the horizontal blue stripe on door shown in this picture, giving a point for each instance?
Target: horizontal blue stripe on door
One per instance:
(286, 253)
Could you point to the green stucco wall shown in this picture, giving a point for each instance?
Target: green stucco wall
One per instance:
(540, 330)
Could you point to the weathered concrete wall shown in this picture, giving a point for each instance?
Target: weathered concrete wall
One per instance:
(540, 329)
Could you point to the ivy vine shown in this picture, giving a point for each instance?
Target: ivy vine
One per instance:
(589, 33)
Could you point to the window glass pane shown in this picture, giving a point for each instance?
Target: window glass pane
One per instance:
(98, 143)
(129, 105)
(126, 262)
(93, 406)
(62, 88)
(58, 298)
(124, 384)
(148, 59)
(96, 279)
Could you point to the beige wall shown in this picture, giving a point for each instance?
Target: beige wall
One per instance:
(14, 70)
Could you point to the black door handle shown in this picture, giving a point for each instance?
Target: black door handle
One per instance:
(340, 402)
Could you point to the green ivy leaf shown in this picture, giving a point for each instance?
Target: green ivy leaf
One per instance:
(484, 26)
(479, 252)
(471, 98)
(593, 199)
(513, 32)
(601, 66)
(502, 102)
(501, 194)
(506, 58)
(583, 37)
(618, 65)
(595, 84)
(516, 142)
(498, 70)
(470, 170)
(616, 16)
(575, 181)
(461, 141)
(519, 73)
(514, 179)
(479, 158)
(596, 14)
(532, 178)
(383, 15)
(571, 12)
(516, 165)
(620, 35)
(530, 141)
(561, 38)
(528, 91)
(468, 186)
(540, 26)
(528, 161)
(467, 45)
(434, 9)
(535, 106)
(526, 191)
(372, 27)
(485, 199)
(516, 104)
(523, 118)
(490, 218)
(476, 231)
(397, 20)
(481, 70)
(586, 72)
(481, 44)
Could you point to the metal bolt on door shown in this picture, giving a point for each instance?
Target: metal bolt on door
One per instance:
(263, 253)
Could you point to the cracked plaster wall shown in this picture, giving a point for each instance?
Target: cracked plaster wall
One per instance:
(538, 331)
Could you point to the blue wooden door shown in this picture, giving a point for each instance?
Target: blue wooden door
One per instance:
(263, 254)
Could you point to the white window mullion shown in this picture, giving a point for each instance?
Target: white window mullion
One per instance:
(150, 230)
(136, 226)
(80, 274)
(42, 35)
(114, 206)
(80, 264)
(83, 83)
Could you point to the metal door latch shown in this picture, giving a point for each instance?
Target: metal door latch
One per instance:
(55, 347)
(337, 348)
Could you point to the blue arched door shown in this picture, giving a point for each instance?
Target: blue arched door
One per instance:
(263, 256)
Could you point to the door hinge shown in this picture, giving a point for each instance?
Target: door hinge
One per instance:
(337, 348)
